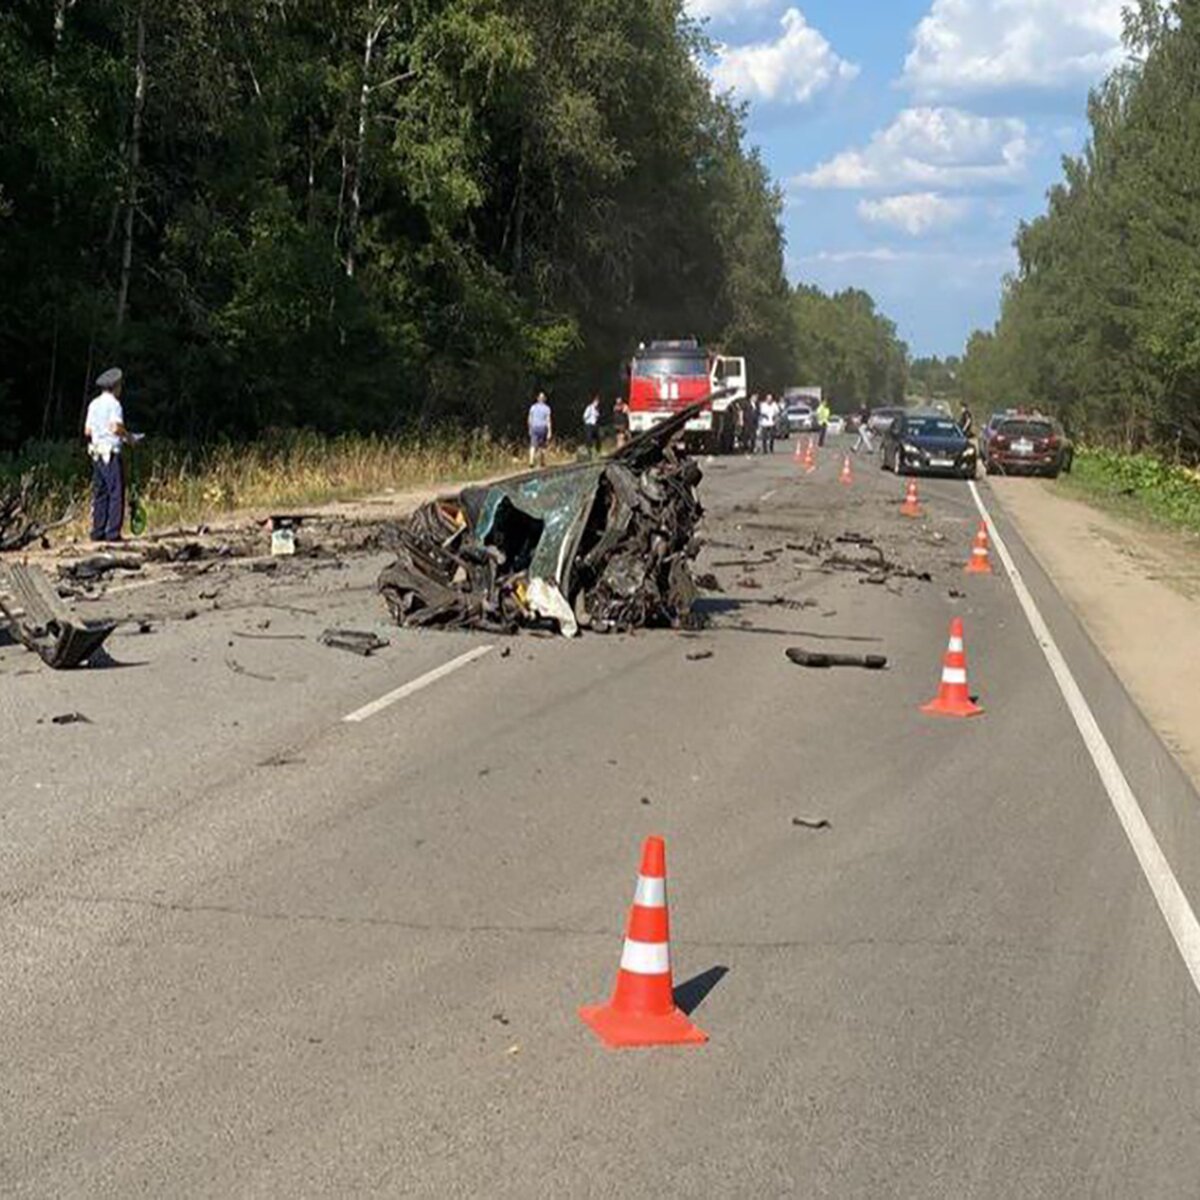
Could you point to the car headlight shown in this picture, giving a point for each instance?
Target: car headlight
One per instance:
(969, 452)
(909, 448)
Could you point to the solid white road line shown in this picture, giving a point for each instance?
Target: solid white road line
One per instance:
(417, 685)
(1172, 902)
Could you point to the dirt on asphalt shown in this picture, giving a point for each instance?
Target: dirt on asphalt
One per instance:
(1137, 591)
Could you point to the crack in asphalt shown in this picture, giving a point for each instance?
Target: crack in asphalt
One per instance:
(179, 907)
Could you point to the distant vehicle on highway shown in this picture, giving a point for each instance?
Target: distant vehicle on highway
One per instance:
(881, 418)
(801, 416)
(925, 442)
(837, 425)
(1028, 445)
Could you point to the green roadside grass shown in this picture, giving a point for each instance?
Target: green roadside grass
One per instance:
(1136, 486)
(295, 469)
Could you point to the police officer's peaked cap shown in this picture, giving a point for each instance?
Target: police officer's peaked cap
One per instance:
(110, 378)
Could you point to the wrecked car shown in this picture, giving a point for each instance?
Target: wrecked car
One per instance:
(604, 545)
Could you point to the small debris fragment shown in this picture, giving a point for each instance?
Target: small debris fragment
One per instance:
(709, 583)
(500, 1018)
(699, 655)
(646, 801)
(807, 823)
(237, 668)
(71, 718)
(356, 641)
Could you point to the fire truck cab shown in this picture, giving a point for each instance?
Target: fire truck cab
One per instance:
(666, 376)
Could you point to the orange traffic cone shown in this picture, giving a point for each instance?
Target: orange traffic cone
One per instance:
(912, 505)
(810, 457)
(847, 476)
(981, 559)
(642, 1010)
(799, 455)
(953, 699)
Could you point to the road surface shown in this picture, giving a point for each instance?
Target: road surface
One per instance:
(250, 948)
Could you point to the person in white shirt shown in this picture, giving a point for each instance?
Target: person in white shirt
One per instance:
(591, 427)
(104, 428)
(768, 414)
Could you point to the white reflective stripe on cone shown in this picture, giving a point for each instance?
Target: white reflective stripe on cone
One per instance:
(646, 958)
(954, 675)
(651, 892)
(956, 645)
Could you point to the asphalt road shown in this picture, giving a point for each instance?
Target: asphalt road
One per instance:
(250, 949)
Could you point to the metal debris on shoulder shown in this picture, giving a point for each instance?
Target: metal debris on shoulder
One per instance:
(41, 622)
(604, 545)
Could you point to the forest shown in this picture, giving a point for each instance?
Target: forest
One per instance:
(1101, 322)
(356, 215)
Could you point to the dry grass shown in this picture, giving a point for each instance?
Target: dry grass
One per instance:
(277, 473)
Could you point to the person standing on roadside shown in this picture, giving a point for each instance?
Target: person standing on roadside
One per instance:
(104, 428)
(750, 429)
(864, 431)
(621, 420)
(966, 422)
(767, 416)
(541, 430)
(591, 427)
(823, 414)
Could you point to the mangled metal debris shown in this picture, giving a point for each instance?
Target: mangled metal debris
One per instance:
(605, 546)
(42, 623)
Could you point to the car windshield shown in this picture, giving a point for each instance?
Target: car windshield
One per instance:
(938, 427)
(796, 406)
(1027, 429)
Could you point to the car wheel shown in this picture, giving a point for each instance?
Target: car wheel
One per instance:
(1052, 473)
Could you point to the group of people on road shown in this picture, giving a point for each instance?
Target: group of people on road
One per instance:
(756, 424)
(540, 423)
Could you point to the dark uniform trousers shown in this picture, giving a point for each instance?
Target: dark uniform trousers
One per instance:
(108, 499)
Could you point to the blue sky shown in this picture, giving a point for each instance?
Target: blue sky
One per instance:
(911, 136)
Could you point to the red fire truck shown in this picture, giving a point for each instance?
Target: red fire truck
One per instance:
(665, 377)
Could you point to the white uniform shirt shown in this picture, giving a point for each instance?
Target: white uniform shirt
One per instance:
(767, 413)
(591, 414)
(104, 417)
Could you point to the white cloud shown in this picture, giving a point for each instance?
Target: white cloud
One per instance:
(973, 47)
(887, 255)
(931, 148)
(914, 213)
(725, 10)
(794, 68)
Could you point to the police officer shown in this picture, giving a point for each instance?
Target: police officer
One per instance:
(104, 428)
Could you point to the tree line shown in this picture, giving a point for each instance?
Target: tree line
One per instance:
(367, 215)
(1101, 322)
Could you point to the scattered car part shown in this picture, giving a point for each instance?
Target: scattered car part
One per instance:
(823, 661)
(357, 641)
(42, 623)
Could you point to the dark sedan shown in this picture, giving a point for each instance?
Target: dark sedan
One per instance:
(927, 443)
(1029, 445)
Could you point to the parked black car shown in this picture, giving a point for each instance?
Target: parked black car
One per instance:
(1029, 445)
(927, 443)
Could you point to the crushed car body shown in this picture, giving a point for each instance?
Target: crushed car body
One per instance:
(604, 545)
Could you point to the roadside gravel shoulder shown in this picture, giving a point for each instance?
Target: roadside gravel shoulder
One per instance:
(1137, 591)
